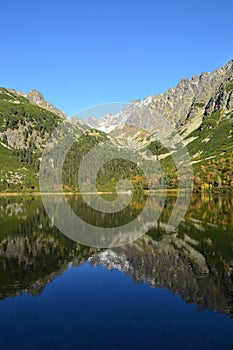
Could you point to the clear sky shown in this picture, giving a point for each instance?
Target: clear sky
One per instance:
(82, 53)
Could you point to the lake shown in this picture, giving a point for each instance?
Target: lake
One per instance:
(163, 291)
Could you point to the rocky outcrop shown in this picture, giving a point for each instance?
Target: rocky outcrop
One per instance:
(111, 121)
(38, 99)
(192, 98)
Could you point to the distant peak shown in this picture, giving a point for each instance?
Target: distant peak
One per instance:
(35, 94)
(229, 64)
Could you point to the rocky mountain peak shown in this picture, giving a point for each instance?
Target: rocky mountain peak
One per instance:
(36, 97)
(191, 99)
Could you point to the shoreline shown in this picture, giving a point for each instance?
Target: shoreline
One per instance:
(173, 192)
(3, 194)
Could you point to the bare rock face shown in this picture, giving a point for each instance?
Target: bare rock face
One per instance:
(35, 97)
(229, 104)
(199, 96)
(111, 121)
(38, 99)
(25, 131)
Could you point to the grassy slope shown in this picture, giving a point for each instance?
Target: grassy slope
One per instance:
(214, 137)
(211, 149)
(9, 163)
(18, 172)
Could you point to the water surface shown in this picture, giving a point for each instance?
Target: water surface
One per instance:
(162, 291)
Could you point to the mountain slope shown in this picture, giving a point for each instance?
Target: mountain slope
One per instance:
(36, 98)
(201, 108)
(187, 103)
(14, 174)
(25, 128)
(109, 122)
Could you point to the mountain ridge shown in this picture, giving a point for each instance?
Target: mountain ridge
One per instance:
(37, 98)
(201, 108)
(198, 96)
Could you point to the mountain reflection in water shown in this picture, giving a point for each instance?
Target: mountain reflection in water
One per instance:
(195, 261)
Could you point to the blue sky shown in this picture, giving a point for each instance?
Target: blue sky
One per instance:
(79, 54)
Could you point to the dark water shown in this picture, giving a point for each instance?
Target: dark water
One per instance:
(163, 291)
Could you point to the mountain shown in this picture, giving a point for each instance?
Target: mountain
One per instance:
(201, 109)
(36, 98)
(187, 103)
(26, 123)
(111, 121)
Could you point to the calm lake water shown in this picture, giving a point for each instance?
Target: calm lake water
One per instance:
(163, 291)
